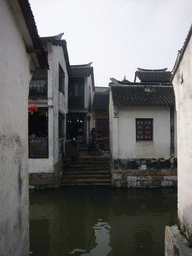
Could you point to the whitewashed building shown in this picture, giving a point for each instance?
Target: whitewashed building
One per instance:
(142, 126)
(47, 126)
(182, 82)
(20, 51)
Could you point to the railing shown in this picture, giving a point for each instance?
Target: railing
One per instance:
(38, 89)
(38, 147)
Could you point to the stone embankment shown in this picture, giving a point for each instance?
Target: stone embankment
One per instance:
(144, 178)
(44, 180)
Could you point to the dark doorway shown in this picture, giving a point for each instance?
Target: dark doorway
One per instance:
(102, 126)
(75, 126)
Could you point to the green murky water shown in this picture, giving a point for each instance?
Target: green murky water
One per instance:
(100, 221)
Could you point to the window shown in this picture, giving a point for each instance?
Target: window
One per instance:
(38, 85)
(38, 133)
(61, 125)
(61, 80)
(76, 90)
(144, 129)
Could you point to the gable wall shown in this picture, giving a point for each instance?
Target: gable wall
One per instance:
(14, 86)
(183, 94)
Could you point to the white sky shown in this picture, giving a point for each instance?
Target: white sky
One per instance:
(118, 36)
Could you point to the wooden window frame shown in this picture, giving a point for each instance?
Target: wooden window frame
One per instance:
(145, 136)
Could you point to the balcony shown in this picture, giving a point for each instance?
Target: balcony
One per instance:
(38, 89)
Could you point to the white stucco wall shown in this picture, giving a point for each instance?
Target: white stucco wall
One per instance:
(113, 129)
(158, 148)
(57, 102)
(14, 85)
(123, 142)
(183, 94)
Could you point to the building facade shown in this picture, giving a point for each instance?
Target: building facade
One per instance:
(21, 51)
(179, 239)
(47, 126)
(142, 122)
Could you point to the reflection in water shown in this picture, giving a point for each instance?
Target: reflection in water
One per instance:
(102, 239)
(100, 221)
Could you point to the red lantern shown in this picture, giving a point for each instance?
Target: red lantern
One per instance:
(33, 108)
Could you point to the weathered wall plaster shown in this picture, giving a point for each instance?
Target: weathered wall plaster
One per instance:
(182, 83)
(14, 85)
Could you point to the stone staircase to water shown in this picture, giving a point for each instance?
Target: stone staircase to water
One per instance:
(87, 170)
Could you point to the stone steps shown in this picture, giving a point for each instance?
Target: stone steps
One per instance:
(93, 182)
(86, 176)
(87, 171)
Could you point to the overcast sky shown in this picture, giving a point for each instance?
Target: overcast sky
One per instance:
(118, 36)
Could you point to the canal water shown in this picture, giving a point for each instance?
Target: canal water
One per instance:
(100, 221)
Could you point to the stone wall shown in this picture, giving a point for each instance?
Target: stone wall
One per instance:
(175, 242)
(43, 180)
(144, 178)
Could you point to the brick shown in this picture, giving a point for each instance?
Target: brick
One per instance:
(166, 183)
(147, 183)
(157, 178)
(131, 178)
(117, 176)
(167, 172)
(47, 175)
(173, 178)
(143, 178)
(118, 184)
(124, 184)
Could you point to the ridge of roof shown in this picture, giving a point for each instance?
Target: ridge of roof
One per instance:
(152, 70)
(52, 38)
(142, 84)
(82, 65)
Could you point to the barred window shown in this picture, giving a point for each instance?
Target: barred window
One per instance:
(144, 129)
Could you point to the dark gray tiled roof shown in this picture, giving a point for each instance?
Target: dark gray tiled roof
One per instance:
(52, 38)
(101, 101)
(32, 29)
(149, 75)
(81, 71)
(102, 89)
(143, 96)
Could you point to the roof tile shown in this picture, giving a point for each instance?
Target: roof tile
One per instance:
(143, 96)
(149, 75)
(101, 101)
